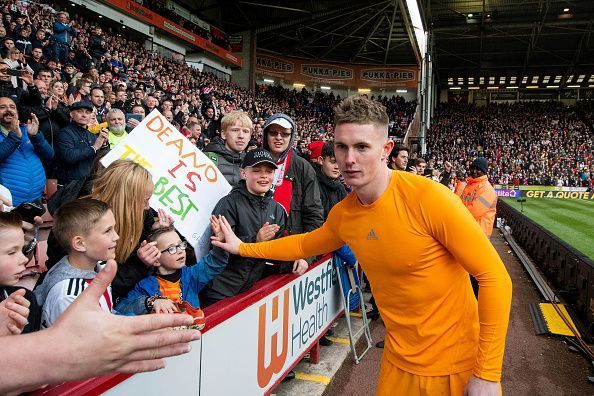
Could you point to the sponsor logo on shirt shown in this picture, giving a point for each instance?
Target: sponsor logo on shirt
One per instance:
(372, 236)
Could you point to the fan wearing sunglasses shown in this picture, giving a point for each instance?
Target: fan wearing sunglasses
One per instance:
(173, 282)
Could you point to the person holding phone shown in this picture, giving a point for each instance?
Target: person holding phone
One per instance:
(18, 67)
(23, 96)
(135, 116)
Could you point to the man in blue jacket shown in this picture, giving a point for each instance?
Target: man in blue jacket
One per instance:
(76, 147)
(63, 31)
(21, 147)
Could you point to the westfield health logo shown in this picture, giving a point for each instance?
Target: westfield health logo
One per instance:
(273, 330)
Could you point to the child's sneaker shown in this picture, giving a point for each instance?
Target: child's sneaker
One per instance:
(196, 313)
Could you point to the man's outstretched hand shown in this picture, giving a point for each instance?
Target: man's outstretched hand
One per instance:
(89, 342)
(231, 243)
(14, 311)
(104, 343)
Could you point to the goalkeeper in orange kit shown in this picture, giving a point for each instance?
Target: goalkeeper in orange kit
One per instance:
(417, 243)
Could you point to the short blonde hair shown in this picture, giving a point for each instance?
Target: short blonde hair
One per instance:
(236, 116)
(357, 109)
(76, 218)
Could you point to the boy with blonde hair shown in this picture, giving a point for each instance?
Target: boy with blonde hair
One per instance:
(228, 151)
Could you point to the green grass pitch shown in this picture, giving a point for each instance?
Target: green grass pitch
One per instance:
(572, 220)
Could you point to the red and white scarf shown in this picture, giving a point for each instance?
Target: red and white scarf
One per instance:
(283, 187)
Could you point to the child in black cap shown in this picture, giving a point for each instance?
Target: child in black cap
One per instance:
(254, 217)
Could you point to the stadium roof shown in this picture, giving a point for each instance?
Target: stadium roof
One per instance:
(505, 41)
(369, 32)
(513, 38)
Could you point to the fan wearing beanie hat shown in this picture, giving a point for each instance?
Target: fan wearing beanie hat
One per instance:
(315, 149)
(481, 164)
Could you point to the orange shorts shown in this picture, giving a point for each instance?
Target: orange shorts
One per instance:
(393, 381)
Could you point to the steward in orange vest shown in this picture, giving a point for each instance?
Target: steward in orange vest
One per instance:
(479, 196)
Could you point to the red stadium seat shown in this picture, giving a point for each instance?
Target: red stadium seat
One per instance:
(51, 186)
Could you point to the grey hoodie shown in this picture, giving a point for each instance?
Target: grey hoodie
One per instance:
(59, 272)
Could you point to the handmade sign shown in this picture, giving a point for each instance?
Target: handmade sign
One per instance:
(187, 184)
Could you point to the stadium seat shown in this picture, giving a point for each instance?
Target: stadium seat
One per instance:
(51, 186)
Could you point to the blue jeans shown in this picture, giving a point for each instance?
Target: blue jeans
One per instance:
(61, 52)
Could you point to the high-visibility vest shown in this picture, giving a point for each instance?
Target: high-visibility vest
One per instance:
(460, 186)
(481, 200)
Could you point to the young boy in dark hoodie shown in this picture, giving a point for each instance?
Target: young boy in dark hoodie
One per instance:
(85, 228)
(254, 216)
(332, 191)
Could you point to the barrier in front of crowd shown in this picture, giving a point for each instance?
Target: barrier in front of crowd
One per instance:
(569, 271)
(249, 343)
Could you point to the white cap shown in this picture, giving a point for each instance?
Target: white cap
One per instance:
(281, 122)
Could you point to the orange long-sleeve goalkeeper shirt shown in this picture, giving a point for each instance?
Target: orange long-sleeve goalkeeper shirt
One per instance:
(417, 243)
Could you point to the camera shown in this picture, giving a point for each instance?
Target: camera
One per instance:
(28, 212)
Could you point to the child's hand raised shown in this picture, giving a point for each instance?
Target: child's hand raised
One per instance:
(14, 311)
(149, 254)
(163, 220)
(267, 232)
(232, 242)
(217, 233)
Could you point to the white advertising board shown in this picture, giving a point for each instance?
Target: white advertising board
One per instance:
(181, 376)
(247, 354)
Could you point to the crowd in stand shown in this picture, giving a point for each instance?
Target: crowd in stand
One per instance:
(160, 7)
(95, 57)
(527, 143)
(70, 91)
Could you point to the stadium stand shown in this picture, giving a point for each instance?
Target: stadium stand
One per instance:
(528, 143)
(543, 143)
(126, 65)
